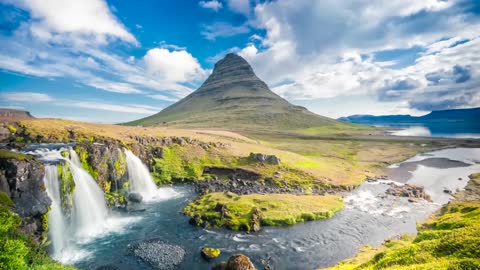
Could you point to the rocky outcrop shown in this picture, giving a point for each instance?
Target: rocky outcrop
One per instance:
(410, 191)
(158, 254)
(256, 219)
(263, 158)
(22, 179)
(13, 115)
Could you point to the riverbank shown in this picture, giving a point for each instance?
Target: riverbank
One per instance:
(448, 240)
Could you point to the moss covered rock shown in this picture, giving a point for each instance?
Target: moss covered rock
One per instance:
(210, 253)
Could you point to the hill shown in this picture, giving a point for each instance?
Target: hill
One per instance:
(233, 97)
(12, 114)
(457, 115)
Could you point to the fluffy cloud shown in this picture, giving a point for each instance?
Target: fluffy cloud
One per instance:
(240, 6)
(86, 17)
(213, 5)
(29, 97)
(175, 66)
(326, 49)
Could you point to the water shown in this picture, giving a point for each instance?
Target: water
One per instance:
(141, 180)
(90, 219)
(56, 220)
(139, 177)
(89, 211)
(369, 217)
(446, 130)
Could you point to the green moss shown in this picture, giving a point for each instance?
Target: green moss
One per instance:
(120, 165)
(5, 200)
(83, 155)
(6, 154)
(67, 186)
(448, 241)
(210, 253)
(12, 129)
(277, 209)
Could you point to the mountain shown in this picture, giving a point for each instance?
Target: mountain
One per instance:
(233, 97)
(460, 116)
(12, 114)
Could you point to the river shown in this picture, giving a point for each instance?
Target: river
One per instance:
(369, 217)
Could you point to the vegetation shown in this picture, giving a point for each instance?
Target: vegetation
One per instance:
(448, 240)
(6, 154)
(17, 250)
(12, 129)
(276, 209)
(67, 186)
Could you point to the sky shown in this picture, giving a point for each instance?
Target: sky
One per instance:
(117, 60)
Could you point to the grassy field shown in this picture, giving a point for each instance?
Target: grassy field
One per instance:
(448, 240)
(340, 160)
(276, 209)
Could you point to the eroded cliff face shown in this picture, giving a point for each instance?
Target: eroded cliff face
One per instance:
(22, 180)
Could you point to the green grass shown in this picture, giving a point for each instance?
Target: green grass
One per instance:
(277, 209)
(450, 240)
(17, 250)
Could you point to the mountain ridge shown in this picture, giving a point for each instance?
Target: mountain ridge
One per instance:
(233, 97)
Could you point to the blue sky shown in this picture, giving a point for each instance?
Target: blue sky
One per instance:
(114, 61)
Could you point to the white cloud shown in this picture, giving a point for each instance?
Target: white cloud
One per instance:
(240, 6)
(27, 97)
(213, 5)
(132, 108)
(163, 98)
(325, 49)
(86, 17)
(223, 29)
(174, 66)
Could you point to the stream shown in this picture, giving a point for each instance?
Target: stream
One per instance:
(370, 216)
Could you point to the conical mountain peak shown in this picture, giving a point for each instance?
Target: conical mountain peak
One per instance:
(231, 69)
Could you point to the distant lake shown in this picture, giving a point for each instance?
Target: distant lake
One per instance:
(447, 130)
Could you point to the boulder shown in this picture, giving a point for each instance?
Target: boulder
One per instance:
(256, 219)
(409, 191)
(135, 197)
(210, 253)
(263, 158)
(240, 262)
(277, 175)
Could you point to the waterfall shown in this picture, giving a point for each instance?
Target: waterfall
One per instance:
(139, 177)
(89, 206)
(56, 220)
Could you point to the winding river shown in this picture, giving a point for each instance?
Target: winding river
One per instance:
(370, 216)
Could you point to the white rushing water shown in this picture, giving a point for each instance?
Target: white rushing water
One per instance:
(56, 219)
(89, 206)
(141, 181)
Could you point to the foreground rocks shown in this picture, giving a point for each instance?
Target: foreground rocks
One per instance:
(158, 254)
(410, 191)
(21, 178)
(236, 262)
(210, 253)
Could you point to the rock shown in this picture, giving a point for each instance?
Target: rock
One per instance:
(460, 179)
(240, 262)
(277, 175)
(270, 159)
(230, 195)
(448, 191)
(210, 253)
(222, 208)
(135, 197)
(22, 180)
(410, 191)
(256, 219)
(220, 266)
(158, 254)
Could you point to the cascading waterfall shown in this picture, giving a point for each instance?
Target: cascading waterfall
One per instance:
(141, 180)
(139, 177)
(56, 219)
(89, 206)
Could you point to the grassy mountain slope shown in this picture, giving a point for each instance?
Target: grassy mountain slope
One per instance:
(233, 97)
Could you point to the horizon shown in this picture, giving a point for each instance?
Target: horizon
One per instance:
(125, 61)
